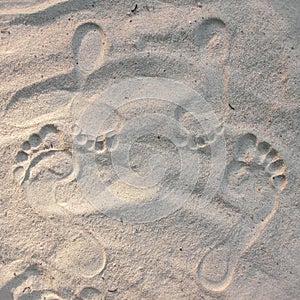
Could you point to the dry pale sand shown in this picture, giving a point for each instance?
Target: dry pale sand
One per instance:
(149, 149)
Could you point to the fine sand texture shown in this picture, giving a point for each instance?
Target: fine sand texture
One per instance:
(149, 150)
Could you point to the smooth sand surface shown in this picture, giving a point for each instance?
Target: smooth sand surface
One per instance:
(149, 149)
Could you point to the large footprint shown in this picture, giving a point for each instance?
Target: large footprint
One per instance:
(252, 183)
(44, 162)
(45, 170)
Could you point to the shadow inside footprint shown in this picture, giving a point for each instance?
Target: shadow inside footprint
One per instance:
(89, 293)
(6, 292)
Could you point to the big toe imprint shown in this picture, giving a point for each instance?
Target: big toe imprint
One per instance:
(252, 183)
(45, 170)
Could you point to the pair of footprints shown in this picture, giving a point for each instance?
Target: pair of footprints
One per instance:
(252, 183)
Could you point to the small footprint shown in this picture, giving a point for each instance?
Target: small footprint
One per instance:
(198, 138)
(200, 141)
(252, 183)
(100, 146)
(104, 142)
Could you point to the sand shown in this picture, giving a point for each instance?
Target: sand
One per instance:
(149, 149)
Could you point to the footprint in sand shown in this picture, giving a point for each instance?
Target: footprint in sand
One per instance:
(43, 160)
(44, 164)
(252, 183)
(47, 173)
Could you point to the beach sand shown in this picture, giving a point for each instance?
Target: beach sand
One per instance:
(149, 149)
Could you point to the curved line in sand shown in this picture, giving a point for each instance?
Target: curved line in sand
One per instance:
(219, 286)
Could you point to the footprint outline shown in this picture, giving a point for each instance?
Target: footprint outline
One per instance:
(248, 150)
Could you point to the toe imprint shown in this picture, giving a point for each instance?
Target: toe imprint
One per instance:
(104, 142)
(249, 150)
(198, 141)
(47, 142)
